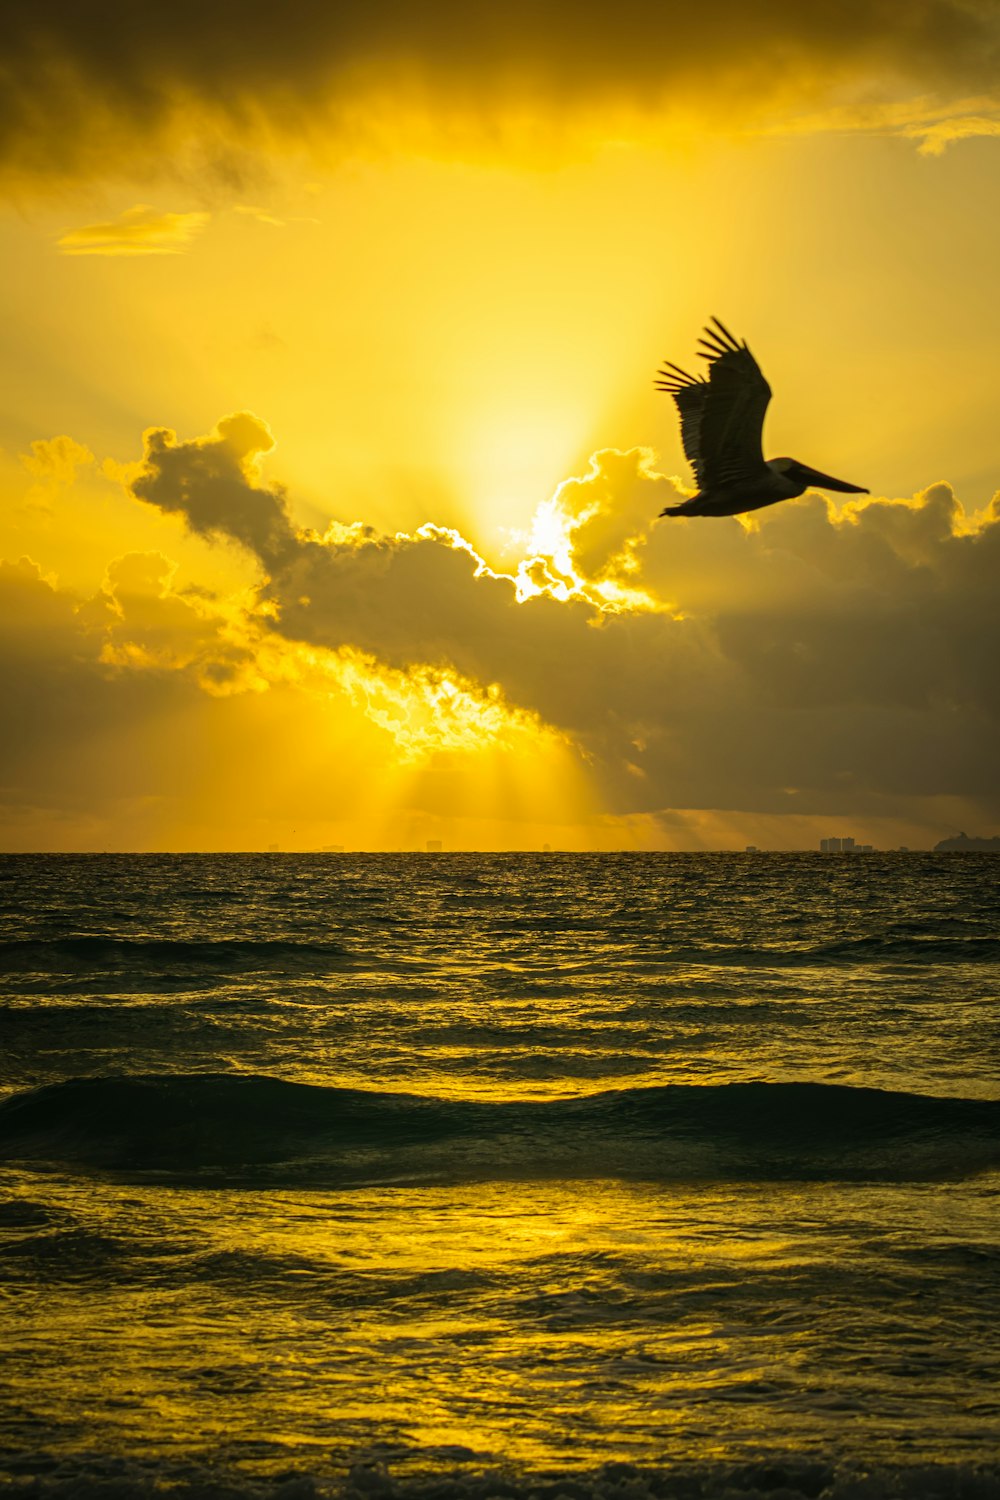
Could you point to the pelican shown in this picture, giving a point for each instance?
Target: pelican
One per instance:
(721, 422)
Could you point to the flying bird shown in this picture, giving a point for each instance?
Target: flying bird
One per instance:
(721, 423)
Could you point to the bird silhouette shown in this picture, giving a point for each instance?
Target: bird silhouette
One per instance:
(721, 423)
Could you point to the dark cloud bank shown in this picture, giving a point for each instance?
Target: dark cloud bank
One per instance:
(820, 664)
(85, 85)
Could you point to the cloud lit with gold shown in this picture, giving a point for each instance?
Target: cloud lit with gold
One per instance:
(499, 961)
(438, 264)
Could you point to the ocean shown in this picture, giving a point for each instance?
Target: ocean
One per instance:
(500, 1175)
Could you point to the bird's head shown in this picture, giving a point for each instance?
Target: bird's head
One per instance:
(806, 478)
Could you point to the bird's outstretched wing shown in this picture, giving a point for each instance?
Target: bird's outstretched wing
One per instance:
(722, 417)
(690, 392)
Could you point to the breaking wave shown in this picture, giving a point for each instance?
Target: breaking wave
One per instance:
(241, 1128)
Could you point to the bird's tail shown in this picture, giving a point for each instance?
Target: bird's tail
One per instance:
(677, 510)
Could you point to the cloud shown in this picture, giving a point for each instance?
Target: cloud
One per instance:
(821, 662)
(53, 464)
(211, 481)
(56, 460)
(587, 540)
(935, 136)
(824, 665)
(85, 91)
(935, 121)
(138, 231)
(58, 698)
(258, 215)
(138, 621)
(155, 716)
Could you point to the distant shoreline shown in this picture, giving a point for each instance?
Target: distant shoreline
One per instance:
(945, 846)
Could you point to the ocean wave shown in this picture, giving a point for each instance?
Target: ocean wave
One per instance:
(115, 954)
(911, 948)
(242, 1128)
(873, 949)
(106, 953)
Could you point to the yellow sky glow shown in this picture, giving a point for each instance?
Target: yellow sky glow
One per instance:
(450, 321)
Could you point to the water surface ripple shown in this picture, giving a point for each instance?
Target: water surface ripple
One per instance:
(607, 1176)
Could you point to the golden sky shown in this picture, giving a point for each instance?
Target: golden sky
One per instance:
(330, 453)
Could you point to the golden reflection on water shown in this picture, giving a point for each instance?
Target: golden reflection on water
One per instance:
(539, 1324)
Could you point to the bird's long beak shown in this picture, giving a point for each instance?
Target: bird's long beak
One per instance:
(818, 481)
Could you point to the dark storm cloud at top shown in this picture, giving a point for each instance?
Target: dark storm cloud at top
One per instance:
(105, 78)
